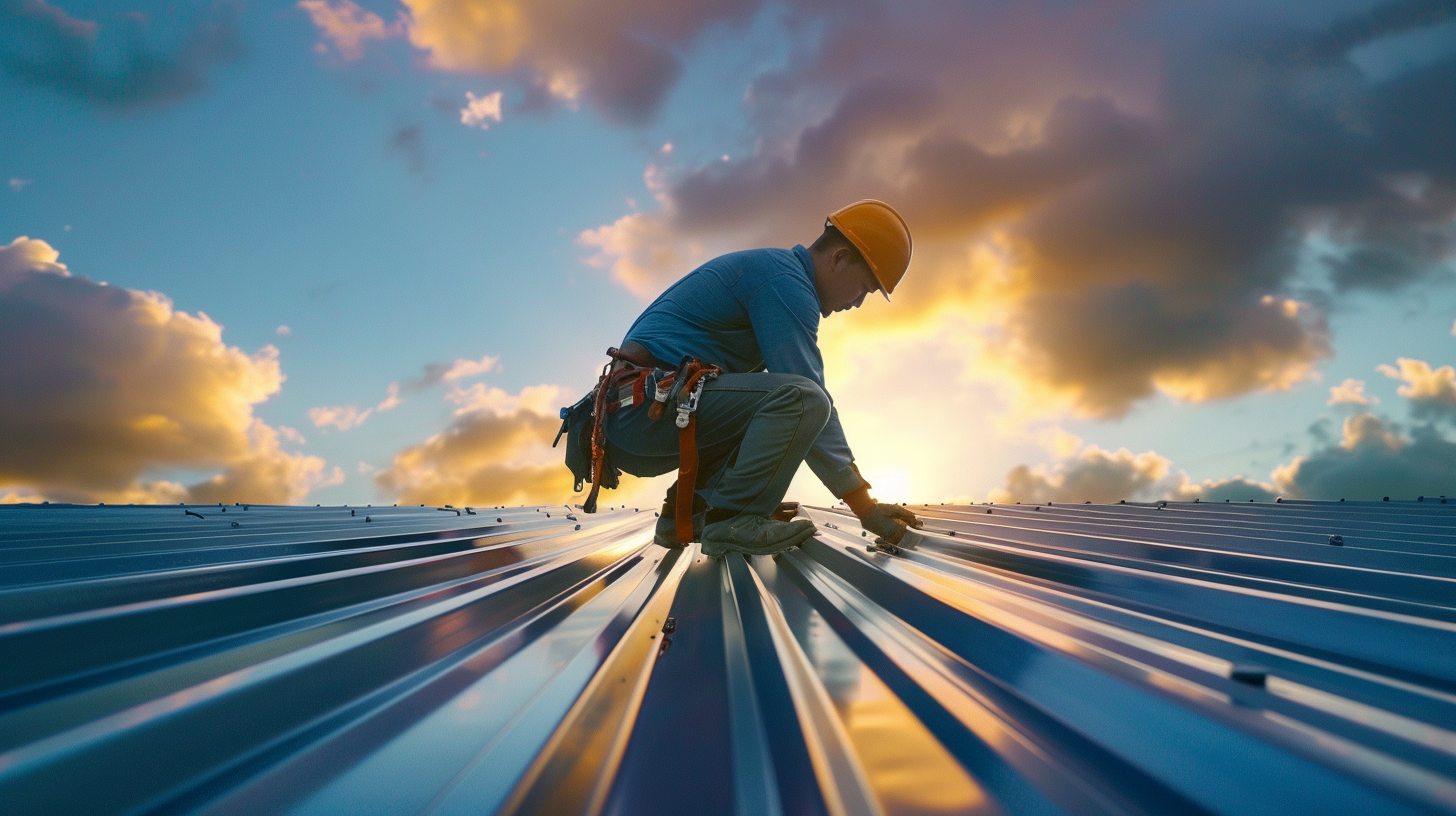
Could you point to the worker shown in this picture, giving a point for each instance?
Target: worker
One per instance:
(752, 319)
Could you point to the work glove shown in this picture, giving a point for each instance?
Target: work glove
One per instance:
(888, 521)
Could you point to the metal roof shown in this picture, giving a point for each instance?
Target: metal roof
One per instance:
(1187, 658)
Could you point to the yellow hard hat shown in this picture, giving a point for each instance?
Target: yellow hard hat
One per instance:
(880, 235)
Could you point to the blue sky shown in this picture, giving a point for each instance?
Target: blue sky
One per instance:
(286, 175)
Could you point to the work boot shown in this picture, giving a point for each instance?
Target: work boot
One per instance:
(666, 535)
(754, 535)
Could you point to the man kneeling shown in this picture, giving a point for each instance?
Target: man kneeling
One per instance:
(754, 315)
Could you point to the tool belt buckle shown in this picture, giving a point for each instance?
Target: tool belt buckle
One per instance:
(685, 408)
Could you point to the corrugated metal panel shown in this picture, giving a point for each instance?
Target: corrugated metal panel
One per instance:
(1098, 659)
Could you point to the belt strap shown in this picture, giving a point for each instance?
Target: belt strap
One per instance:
(612, 377)
(687, 445)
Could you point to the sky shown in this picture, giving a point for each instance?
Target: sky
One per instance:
(337, 252)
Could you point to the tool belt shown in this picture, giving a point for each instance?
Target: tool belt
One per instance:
(622, 384)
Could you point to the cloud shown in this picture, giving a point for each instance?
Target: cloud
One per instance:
(12, 497)
(621, 56)
(497, 451)
(540, 399)
(339, 417)
(1372, 460)
(480, 111)
(1236, 488)
(348, 26)
(103, 386)
(1103, 476)
(292, 435)
(1123, 205)
(464, 369)
(267, 475)
(283, 331)
(1094, 475)
(1350, 392)
(1432, 392)
(391, 398)
(459, 369)
(19, 184)
(43, 46)
(345, 417)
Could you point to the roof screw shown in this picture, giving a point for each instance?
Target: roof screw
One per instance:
(497, 519)
(578, 526)
(988, 511)
(235, 524)
(366, 518)
(670, 625)
(1249, 675)
(351, 513)
(1337, 541)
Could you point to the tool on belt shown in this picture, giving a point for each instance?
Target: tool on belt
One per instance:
(690, 377)
(622, 384)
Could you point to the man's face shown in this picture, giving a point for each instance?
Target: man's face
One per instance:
(848, 282)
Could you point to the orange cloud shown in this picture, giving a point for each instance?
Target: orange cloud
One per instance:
(464, 369)
(1432, 392)
(497, 451)
(1102, 477)
(1094, 475)
(348, 26)
(104, 385)
(1350, 392)
(339, 417)
(622, 56)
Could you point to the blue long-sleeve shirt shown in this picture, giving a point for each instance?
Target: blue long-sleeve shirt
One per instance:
(745, 312)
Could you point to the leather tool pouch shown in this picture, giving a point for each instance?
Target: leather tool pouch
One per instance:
(576, 426)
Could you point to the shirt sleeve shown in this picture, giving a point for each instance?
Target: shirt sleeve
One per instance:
(789, 344)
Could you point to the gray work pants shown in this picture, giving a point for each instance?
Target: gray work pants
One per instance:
(753, 431)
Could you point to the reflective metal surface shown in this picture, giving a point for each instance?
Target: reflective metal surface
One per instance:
(1077, 659)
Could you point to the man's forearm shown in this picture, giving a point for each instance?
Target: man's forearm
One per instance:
(832, 462)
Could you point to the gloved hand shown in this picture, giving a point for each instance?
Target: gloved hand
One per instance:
(888, 521)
